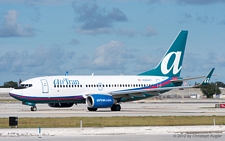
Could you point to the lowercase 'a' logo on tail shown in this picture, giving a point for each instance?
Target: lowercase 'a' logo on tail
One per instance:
(175, 65)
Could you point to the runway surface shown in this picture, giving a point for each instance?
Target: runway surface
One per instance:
(159, 108)
(150, 108)
(117, 133)
(159, 137)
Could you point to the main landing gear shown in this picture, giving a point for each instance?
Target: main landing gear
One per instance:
(33, 108)
(115, 107)
(92, 109)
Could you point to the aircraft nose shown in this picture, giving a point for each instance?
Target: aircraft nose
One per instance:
(15, 93)
(12, 92)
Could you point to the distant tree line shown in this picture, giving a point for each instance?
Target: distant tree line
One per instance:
(212, 88)
(11, 84)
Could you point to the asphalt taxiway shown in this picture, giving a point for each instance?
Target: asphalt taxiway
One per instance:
(155, 137)
(150, 108)
(170, 107)
(117, 133)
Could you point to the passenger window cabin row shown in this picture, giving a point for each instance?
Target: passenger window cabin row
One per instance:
(102, 85)
(68, 86)
(118, 85)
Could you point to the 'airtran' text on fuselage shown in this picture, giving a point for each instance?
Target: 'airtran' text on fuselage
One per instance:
(65, 81)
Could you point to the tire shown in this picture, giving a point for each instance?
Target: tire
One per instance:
(116, 107)
(33, 108)
(92, 109)
(113, 108)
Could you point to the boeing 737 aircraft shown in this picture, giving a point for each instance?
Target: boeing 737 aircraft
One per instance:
(108, 91)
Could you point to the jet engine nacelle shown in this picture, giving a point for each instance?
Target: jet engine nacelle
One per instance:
(60, 105)
(99, 101)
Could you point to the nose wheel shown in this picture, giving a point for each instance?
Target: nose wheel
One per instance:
(33, 108)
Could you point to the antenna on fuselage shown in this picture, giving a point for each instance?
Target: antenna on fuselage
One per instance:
(66, 73)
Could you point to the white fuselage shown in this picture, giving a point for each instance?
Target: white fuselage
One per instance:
(65, 86)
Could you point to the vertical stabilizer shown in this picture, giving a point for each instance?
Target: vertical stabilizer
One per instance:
(171, 63)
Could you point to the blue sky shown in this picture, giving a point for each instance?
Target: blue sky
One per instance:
(50, 37)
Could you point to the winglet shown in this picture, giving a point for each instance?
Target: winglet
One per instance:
(206, 80)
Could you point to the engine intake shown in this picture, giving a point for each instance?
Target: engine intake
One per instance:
(99, 101)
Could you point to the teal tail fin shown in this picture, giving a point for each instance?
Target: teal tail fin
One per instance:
(171, 63)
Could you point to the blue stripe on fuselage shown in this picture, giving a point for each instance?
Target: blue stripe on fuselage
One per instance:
(75, 99)
(165, 83)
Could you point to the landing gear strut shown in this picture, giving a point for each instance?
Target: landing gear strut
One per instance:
(33, 108)
(115, 107)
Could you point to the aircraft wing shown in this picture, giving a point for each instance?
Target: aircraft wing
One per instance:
(155, 90)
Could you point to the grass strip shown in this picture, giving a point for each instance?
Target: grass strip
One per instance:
(114, 121)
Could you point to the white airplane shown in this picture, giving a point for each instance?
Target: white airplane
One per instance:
(108, 91)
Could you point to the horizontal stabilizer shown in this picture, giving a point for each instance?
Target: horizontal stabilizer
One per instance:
(190, 78)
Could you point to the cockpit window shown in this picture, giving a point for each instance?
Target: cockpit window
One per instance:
(23, 86)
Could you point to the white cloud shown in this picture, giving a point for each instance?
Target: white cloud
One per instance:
(126, 32)
(93, 32)
(110, 56)
(74, 42)
(37, 2)
(145, 62)
(149, 31)
(199, 2)
(203, 19)
(43, 61)
(10, 27)
(186, 18)
(94, 19)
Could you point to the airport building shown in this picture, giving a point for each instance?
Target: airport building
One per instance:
(190, 93)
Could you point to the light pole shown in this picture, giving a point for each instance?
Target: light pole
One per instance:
(216, 88)
(188, 85)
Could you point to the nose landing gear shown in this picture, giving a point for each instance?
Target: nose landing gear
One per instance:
(33, 108)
